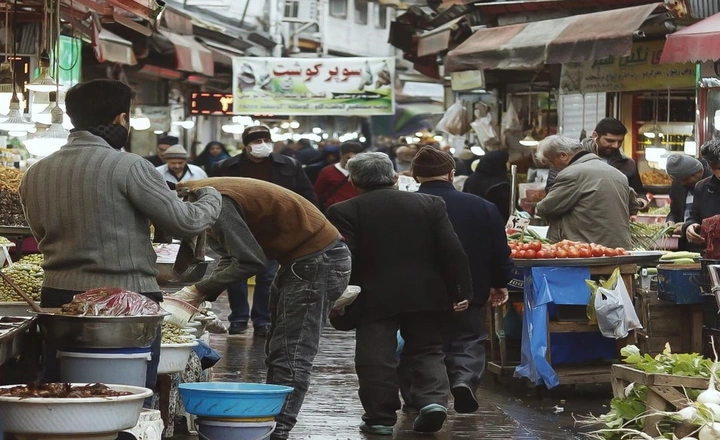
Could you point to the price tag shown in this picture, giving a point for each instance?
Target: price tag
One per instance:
(407, 183)
(519, 223)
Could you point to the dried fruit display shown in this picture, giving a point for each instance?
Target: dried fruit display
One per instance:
(11, 212)
(61, 391)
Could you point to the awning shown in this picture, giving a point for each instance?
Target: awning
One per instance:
(563, 40)
(190, 55)
(436, 40)
(222, 53)
(699, 42)
(112, 48)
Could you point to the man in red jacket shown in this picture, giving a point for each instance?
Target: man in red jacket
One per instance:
(332, 185)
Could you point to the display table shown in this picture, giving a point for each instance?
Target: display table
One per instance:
(558, 291)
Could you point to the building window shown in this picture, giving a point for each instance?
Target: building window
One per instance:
(361, 12)
(291, 8)
(380, 16)
(338, 8)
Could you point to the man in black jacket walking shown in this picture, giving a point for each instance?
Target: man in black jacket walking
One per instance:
(480, 228)
(410, 277)
(259, 162)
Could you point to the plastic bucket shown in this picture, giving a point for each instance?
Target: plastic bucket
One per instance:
(680, 283)
(222, 430)
(121, 367)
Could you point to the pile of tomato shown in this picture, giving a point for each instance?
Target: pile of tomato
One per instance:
(564, 249)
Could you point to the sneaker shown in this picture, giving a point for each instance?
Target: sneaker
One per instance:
(376, 429)
(237, 328)
(465, 400)
(430, 419)
(193, 298)
(262, 331)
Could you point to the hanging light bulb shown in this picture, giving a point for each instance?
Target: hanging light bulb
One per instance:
(690, 145)
(15, 120)
(44, 82)
(529, 141)
(52, 139)
(138, 121)
(233, 128)
(477, 150)
(40, 103)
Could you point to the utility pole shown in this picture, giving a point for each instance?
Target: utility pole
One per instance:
(275, 16)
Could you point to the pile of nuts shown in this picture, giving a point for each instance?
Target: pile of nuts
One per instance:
(172, 334)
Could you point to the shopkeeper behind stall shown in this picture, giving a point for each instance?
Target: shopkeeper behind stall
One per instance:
(90, 205)
(706, 195)
(686, 172)
(590, 201)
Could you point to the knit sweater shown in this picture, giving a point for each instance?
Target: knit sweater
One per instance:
(90, 207)
(284, 224)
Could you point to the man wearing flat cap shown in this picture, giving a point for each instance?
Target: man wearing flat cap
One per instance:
(163, 144)
(258, 161)
(409, 279)
(481, 230)
(177, 169)
(685, 171)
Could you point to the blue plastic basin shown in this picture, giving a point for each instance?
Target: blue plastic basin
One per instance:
(233, 399)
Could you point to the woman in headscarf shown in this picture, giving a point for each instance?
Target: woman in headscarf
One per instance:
(213, 153)
(490, 181)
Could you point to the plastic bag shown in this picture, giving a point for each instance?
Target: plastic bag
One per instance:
(454, 120)
(511, 121)
(111, 302)
(485, 132)
(611, 308)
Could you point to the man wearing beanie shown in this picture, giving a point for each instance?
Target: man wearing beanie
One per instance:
(409, 279)
(685, 171)
(481, 230)
(177, 169)
(258, 161)
(163, 144)
(260, 221)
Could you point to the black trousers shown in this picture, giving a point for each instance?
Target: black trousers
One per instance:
(464, 335)
(54, 298)
(377, 366)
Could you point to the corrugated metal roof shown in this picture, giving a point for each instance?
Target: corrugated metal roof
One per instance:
(703, 8)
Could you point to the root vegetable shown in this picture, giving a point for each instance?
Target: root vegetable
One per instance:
(710, 432)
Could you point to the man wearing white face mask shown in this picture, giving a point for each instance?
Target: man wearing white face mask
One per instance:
(258, 161)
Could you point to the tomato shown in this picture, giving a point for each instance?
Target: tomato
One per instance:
(551, 253)
(541, 254)
(597, 252)
(525, 246)
(529, 253)
(521, 254)
(585, 253)
(511, 245)
(573, 252)
(513, 253)
(536, 245)
(561, 253)
(621, 251)
(610, 252)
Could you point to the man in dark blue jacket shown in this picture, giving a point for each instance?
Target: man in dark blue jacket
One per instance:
(480, 228)
(258, 161)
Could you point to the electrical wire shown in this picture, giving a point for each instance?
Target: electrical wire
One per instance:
(74, 53)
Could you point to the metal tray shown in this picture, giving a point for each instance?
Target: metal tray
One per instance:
(11, 342)
(636, 257)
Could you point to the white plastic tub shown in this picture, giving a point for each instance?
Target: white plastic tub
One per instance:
(117, 368)
(174, 357)
(56, 416)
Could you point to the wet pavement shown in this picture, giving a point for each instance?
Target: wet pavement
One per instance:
(332, 410)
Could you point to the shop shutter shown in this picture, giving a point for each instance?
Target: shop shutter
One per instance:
(571, 113)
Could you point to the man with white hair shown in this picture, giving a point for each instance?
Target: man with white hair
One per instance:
(591, 201)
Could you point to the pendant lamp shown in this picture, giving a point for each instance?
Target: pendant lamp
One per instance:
(52, 139)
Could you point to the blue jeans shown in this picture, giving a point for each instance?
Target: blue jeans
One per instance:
(238, 298)
(300, 301)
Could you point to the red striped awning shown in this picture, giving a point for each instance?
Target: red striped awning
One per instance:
(699, 42)
(577, 38)
(111, 48)
(190, 55)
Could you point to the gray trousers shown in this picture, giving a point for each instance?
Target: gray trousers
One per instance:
(464, 337)
(301, 297)
(377, 367)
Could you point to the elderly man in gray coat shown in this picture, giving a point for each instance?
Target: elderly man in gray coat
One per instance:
(591, 201)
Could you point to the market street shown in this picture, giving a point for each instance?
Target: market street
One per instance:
(332, 409)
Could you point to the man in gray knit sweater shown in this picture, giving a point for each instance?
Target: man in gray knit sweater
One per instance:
(90, 205)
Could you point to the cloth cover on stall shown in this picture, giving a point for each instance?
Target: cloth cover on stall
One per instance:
(544, 288)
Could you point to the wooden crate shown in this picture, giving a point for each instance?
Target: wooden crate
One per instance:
(665, 391)
(680, 325)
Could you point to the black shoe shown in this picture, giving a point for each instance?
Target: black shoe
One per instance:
(237, 328)
(465, 401)
(262, 331)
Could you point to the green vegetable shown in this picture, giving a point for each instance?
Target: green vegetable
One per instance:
(681, 364)
(683, 261)
(679, 255)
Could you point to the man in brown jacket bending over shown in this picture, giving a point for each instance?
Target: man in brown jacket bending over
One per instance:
(261, 221)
